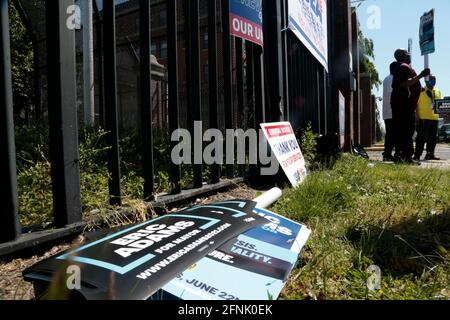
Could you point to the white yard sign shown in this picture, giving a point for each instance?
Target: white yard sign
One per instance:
(285, 146)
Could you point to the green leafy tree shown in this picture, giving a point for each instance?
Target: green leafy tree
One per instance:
(22, 66)
(366, 57)
(367, 65)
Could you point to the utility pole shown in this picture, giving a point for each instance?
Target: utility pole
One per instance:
(88, 64)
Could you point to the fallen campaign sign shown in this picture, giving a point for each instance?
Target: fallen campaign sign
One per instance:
(254, 266)
(246, 20)
(284, 144)
(135, 263)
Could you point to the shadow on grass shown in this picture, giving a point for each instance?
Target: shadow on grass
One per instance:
(410, 247)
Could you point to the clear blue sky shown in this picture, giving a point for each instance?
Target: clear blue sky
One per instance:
(400, 20)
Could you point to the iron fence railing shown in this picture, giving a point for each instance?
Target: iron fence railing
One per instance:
(241, 91)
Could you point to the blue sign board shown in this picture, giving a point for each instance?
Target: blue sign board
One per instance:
(254, 266)
(426, 33)
(246, 20)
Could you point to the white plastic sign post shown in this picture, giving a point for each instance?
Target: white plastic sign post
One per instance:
(265, 200)
(427, 65)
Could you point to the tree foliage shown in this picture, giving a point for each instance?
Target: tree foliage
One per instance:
(22, 65)
(366, 57)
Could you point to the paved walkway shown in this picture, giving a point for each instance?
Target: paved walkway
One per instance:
(442, 151)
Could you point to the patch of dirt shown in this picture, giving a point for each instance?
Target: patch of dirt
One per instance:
(242, 192)
(12, 285)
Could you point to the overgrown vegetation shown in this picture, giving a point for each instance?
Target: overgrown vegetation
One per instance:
(308, 145)
(361, 214)
(22, 67)
(34, 182)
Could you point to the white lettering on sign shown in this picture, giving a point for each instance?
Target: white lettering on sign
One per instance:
(245, 28)
(147, 237)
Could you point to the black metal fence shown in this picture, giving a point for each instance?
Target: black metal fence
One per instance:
(265, 85)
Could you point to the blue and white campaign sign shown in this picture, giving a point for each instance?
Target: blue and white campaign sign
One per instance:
(254, 266)
(246, 20)
(426, 33)
(308, 21)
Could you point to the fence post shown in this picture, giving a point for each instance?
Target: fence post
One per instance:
(88, 63)
(146, 99)
(213, 87)
(259, 86)
(172, 69)
(194, 84)
(111, 125)
(9, 210)
(227, 74)
(62, 107)
(285, 51)
(259, 90)
(240, 91)
(99, 44)
(250, 97)
(273, 58)
(250, 103)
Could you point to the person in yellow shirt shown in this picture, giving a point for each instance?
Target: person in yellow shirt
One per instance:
(427, 120)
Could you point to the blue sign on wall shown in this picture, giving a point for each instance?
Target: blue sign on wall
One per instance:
(246, 20)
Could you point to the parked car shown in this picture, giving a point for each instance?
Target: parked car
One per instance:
(444, 133)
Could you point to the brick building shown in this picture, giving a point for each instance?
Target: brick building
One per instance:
(127, 24)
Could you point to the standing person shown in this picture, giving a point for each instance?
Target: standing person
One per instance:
(406, 89)
(428, 121)
(389, 142)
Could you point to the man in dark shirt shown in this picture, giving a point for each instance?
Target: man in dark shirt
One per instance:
(406, 89)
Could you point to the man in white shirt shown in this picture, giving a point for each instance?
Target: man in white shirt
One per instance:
(389, 143)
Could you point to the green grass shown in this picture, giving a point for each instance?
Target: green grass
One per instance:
(394, 217)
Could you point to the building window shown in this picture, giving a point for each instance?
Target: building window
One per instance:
(206, 71)
(153, 20)
(154, 49)
(203, 8)
(205, 40)
(163, 49)
(162, 17)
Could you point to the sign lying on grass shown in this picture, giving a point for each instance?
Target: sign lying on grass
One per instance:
(136, 262)
(443, 106)
(308, 21)
(253, 266)
(246, 20)
(284, 144)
